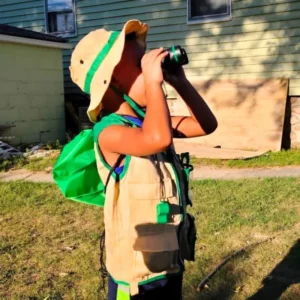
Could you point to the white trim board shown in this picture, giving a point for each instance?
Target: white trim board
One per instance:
(27, 41)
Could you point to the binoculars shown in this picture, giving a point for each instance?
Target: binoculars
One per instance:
(176, 57)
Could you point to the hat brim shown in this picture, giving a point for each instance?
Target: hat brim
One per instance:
(103, 75)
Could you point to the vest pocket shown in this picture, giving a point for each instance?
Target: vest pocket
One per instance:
(146, 200)
(155, 262)
(162, 238)
(156, 252)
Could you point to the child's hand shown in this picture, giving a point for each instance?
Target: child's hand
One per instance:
(151, 66)
(175, 77)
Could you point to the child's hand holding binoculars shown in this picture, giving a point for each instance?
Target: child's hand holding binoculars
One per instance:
(151, 66)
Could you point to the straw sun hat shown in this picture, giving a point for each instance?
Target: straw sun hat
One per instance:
(95, 57)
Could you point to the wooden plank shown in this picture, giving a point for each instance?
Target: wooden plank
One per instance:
(118, 22)
(201, 151)
(13, 2)
(256, 3)
(117, 4)
(98, 2)
(134, 6)
(100, 21)
(250, 113)
(271, 8)
(141, 11)
(32, 18)
(22, 12)
(16, 6)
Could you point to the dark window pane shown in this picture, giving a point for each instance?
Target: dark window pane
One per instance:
(52, 24)
(61, 22)
(65, 22)
(61, 17)
(203, 8)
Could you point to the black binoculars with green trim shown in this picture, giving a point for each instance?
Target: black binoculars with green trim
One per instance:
(177, 57)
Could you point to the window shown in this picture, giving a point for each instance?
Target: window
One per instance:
(203, 11)
(61, 18)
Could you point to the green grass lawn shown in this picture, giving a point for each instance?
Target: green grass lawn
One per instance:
(49, 246)
(270, 159)
(33, 164)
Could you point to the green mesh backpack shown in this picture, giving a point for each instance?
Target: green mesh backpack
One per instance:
(75, 171)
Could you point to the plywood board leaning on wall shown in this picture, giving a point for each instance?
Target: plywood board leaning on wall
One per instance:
(250, 113)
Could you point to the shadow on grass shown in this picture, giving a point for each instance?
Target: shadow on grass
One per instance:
(227, 283)
(221, 286)
(285, 274)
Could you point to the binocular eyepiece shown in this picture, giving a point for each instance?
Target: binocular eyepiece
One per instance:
(176, 57)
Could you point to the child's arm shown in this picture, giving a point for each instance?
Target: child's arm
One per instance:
(202, 121)
(156, 133)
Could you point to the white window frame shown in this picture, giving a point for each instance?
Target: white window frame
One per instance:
(210, 18)
(61, 34)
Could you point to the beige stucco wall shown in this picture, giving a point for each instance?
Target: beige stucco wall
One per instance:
(31, 93)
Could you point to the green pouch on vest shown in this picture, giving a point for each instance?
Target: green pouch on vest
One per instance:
(75, 171)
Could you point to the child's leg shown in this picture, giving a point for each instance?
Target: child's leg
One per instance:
(112, 289)
(172, 290)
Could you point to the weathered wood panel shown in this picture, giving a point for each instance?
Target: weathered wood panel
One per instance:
(250, 113)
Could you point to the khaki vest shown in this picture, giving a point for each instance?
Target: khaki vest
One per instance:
(138, 248)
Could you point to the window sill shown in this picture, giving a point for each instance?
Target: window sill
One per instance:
(63, 35)
(199, 20)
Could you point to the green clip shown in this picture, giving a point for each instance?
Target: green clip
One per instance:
(187, 172)
(162, 212)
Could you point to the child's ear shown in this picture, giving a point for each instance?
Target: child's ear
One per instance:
(115, 82)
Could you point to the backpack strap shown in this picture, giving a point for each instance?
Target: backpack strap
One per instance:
(108, 120)
(117, 164)
(138, 109)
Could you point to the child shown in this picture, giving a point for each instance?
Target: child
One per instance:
(145, 202)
